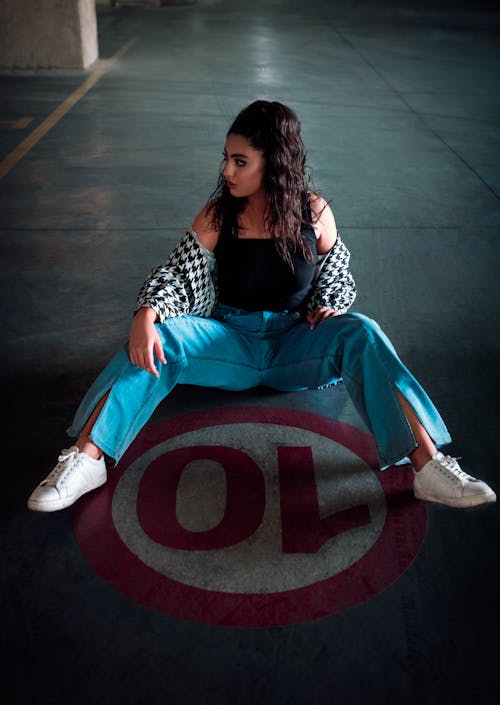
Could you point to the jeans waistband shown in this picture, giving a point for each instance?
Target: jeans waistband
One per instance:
(257, 321)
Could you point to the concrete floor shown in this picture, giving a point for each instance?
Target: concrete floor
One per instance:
(399, 105)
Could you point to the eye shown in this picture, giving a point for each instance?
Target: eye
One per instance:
(224, 157)
(240, 162)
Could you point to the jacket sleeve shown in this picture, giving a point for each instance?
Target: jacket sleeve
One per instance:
(183, 285)
(334, 284)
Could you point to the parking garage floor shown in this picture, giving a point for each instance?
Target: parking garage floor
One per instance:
(184, 579)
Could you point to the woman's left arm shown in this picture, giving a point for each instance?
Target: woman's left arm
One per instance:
(334, 290)
(324, 224)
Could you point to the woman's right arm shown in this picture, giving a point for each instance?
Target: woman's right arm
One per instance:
(144, 340)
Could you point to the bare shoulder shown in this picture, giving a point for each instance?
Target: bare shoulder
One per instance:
(324, 224)
(203, 226)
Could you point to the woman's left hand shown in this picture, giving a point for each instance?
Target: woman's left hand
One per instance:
(319, 315)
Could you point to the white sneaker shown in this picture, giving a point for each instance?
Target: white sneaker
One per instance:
(442, 480)
(75, 474)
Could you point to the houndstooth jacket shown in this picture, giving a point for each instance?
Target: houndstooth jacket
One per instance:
(187, 282)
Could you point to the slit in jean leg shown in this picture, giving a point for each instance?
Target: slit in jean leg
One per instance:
(404, 455)
(116, 450)
(158, 391)
(86, 409)
(425, 446)
(393, 435)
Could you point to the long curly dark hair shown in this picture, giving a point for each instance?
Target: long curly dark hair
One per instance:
(274, 129)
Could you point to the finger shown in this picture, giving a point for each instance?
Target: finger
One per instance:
(158, 348)
(327, 313)
(150, 363)
(145, 362)
(317, 316)
(321, 314)
(312, 317)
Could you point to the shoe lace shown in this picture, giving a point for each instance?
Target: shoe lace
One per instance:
(449, 467)
(66, 463)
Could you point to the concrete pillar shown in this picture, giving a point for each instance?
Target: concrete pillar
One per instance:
(48, 33)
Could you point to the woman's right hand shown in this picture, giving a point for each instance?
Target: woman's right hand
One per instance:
(145, 342)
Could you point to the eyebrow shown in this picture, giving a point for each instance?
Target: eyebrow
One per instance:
(237, 154)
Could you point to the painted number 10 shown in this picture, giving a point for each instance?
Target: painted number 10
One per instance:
(303, 530)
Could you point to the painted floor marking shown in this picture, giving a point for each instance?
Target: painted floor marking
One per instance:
(251, 517)
(39, 132)
(18, 124)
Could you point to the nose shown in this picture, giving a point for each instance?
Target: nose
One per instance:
(227, 171)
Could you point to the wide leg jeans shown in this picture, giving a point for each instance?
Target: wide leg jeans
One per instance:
(237, 350)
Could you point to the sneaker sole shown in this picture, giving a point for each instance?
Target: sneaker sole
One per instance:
(462, 502)
(37, 506)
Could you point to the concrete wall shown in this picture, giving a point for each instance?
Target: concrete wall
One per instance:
(48, 33)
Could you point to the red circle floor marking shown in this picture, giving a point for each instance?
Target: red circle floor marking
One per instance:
(394, 550)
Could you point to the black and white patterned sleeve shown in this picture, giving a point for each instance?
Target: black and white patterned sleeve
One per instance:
(183, 285)
(334, 286)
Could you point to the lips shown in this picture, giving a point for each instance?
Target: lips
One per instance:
(230, 184)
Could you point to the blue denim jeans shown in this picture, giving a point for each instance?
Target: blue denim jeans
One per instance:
(238, 350)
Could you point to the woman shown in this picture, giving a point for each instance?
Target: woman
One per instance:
(258, 294)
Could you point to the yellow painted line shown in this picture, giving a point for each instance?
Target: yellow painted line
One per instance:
(34, 137)
(19, 124)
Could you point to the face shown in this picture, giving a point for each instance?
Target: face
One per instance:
(243, 168)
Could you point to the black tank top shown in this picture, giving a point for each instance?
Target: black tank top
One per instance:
(252, 275)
